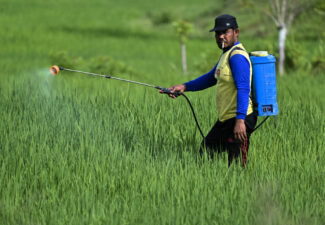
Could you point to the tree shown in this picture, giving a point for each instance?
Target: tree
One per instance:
(283, 13)
(183, 29)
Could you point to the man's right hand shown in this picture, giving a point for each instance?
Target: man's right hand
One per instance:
(178, 88)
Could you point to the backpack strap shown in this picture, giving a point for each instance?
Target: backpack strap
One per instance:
(250, 96)
(234, 49)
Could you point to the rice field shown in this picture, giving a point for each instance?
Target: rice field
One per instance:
(81, 150)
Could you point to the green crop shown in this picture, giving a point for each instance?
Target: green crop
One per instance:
(81, 150)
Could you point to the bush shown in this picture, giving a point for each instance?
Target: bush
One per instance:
(295, 54)
(100, 64)
(160, 18)
(317, 63)
(62, 59)
(207, 61)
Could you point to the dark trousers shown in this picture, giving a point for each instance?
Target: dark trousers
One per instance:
(221, 138)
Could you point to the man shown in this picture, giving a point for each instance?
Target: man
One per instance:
(233, 77)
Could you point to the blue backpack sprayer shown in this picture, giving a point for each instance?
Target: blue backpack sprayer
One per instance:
(264, 90)
(263, 85)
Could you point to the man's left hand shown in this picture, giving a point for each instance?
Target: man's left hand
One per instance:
(240, 130)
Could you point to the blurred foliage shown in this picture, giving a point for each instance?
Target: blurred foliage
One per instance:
(320, 6)
(317, 63)
(206, 61)
(298, 57)
(99, 64)
(183, 29)
(296, 54)
(162, 17)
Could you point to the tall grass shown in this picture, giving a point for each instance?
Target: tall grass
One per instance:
(82, 150)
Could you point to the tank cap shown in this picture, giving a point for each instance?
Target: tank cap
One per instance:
(259, 53)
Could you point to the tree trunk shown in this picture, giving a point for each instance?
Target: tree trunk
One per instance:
(282, 41)
(184, 58)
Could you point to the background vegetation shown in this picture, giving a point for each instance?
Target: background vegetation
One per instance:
(81, 150)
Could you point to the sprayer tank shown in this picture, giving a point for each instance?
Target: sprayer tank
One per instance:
(264, 85)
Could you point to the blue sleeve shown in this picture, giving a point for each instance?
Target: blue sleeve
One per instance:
(241, 72)
(205, 81)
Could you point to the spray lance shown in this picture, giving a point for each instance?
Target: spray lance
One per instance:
(56, 69)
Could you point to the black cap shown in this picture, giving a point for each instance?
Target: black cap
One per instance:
(224, 22)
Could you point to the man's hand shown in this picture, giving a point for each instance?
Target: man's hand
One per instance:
(178, 88)
(240, 130)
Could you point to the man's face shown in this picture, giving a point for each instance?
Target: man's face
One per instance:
(226, 38)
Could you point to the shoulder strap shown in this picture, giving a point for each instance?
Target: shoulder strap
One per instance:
(234, 49)
(250, 96)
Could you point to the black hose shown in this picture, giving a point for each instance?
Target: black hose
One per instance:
(176, 94)
(197, 123)
(260, 124)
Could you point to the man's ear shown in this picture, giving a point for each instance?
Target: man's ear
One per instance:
(236, 31)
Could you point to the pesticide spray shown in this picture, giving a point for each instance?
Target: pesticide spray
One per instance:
(56, 69)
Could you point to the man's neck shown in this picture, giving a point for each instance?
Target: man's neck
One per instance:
(226, 49)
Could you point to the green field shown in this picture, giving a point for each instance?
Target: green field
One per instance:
(81, 150)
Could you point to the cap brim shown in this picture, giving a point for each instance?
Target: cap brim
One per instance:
(219, 29)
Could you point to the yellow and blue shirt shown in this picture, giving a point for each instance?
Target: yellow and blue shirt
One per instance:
(233, 76)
